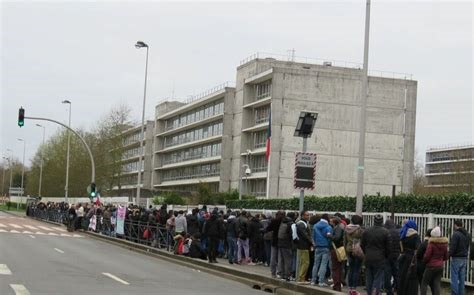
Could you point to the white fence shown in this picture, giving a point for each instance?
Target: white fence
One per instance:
(424, 222)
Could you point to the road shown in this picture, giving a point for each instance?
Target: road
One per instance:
(42, 259)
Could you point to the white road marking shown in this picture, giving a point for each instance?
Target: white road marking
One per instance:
(27, 232)
(2, 225)
(59, 229)
(19, 289)
(65, 235)
(16, 225)
(40, 233)
(3, 231)
(30, 227)
(4, 270)
(45, 228)
(77, 236)
(115, 278)
(14, 231)
(52, 234)
(33, 237)
(59, 250)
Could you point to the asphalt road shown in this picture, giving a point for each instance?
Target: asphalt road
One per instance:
(39, 259)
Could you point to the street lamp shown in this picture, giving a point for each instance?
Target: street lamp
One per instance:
(138, 45)
(22, 170)
(3, 178)
(66, 187)
(41, 166)
(304, 128)
(10, 165)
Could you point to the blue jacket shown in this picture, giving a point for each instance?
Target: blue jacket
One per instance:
(320, 231)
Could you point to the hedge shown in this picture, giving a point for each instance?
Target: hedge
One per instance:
(452, 204)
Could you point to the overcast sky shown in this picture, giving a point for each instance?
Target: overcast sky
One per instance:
(84, 52)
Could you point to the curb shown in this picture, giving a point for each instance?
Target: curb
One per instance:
(22, 214)
(256, 281)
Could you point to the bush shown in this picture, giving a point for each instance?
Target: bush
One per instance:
(454, 204)
(173, 198)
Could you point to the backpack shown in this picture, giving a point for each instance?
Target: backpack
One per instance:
(357, 249)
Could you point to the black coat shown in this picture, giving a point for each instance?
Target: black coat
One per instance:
(195, 250)
(376, 245)
(254, 230)
(459, 244)
(192, 223)
(304, 236)
(213, 227)
(273, 227)
(394, 239)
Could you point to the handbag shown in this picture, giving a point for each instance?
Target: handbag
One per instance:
(146, 234)
(340, 253)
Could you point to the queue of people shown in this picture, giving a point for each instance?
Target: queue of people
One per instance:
(323, 250)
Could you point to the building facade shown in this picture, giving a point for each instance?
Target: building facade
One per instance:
(215, 138)
(130, 155)
(192, 142)
(450, 169)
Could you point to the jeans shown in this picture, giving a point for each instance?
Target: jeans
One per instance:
(303, 263)
(242, 245)
(286, 256)
(458, 275)
(355, 264)
(268, 251)
(274, 260)
(321, 258)
(432, 277)
(374, 279)
(391, 270)
(231, 250)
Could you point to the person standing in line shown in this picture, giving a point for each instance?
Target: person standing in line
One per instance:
(435, 256)
(273, 228)
(267, 238)
(458, 250)
(304, 244)
(242, 238)
(420, 253)
(391, 268)
(213, 229)
(285, 245)
(338, 241)
(181, 223)
(409, 243)
(321, 236)
(231, 239)
(376, 245)
(352, 236)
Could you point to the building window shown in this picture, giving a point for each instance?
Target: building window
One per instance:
(197, 171)
(198, 114)
(262, 114)
(203, 132)
(260, 139)
(263, 90)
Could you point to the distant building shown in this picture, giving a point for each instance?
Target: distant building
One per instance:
(127, 178)
(212, 138)
(450, 169)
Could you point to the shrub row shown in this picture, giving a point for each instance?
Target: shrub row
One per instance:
(452, 204)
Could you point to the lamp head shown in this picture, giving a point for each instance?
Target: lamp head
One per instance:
(66, 101)
(140, 44)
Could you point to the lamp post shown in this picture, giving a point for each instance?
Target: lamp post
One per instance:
(138, 45)
(10, 165)
(3, 178)
(41, 166)
(66, 187)
(22, 171)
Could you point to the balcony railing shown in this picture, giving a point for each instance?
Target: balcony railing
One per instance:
(193, 176)
(260, 145)
(194, 157)
(261, 120)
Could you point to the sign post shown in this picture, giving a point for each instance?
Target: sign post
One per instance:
(305, 172)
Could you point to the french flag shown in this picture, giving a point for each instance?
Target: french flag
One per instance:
(269, 136)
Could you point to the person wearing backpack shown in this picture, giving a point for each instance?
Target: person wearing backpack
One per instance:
(321, 236)
(285, 245)
(242, 238)
(338, 241)
(352, 236)
(304, 244)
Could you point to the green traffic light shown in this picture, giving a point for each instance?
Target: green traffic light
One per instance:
(92, 194)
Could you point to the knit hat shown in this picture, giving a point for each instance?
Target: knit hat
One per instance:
(378, 220)
(436, 232)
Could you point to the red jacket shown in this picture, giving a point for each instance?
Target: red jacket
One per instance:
(437, 252)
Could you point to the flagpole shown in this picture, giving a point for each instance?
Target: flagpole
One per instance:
(269, 154)
(268, 177)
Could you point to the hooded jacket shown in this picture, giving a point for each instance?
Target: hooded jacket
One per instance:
(459, 244)
(193, 223)
(213, 227)
(304, 235)
(285, 239)
(321, 234)
(436, 252)
(254, 229)
(352, 232)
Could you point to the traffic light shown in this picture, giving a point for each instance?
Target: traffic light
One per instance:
(93, 192)
(21, 117)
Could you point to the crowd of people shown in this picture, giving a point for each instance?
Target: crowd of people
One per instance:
(323, 250)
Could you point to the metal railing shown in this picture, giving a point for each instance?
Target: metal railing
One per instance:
(194, 157)
(191, 176)
(322, 61)
(210, 91)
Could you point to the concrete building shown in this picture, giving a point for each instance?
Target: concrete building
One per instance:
(193, 142)
(128, 176)
(287, 88)
(184, 145)
(450, 169)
